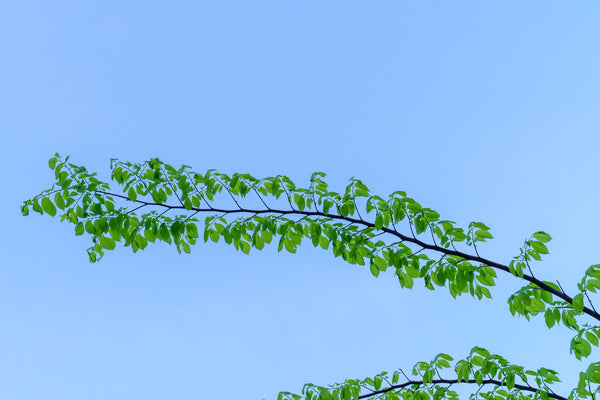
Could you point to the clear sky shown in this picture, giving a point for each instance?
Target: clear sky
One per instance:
(481, 110)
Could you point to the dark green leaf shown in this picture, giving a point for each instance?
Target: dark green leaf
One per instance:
(578, 302)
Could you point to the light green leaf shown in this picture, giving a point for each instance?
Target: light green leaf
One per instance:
(593, 339)
(107, 243)
(374, 270)
(379, 221)
(131, 193)
(52, 162)
(48, 206)
(483, 234)
(542, 236)
(539, 247)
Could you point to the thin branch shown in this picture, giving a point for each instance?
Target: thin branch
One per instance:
(198, 191)
(475, 247)
(590, 301)
(137, 208)
(287, 195)
(162, 213)
(190, 217)
(172, 187)
(228, 191)
(529, 267)
(358, 212)
(410, 226)
(261, 199)
(432, 236)
(136, 174)
(402, 372)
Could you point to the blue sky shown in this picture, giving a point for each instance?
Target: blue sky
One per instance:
(482, 111)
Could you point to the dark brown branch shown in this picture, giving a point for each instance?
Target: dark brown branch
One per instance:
(453, 381)
(414, 240)
(589, 301)
(171, 185)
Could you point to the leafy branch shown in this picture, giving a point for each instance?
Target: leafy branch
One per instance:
(158, 202)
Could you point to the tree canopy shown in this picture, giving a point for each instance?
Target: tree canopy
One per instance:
(153, 201)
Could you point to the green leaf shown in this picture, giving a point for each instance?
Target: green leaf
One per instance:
(578, 302)
(58, 199)
(290, 245)
(48, 206)
(131, 193)
(374, 270)
(542, 237)
(150, 236)
(107, 243)
(510, 380)
(593, 339)
(324, 242)
(52, 162)
(483, 234)
(79, 229)
(539, 247)
(486, 280)
(245, 247)
(380, 263)
(379, 221)
(89, 227)
(549, 317)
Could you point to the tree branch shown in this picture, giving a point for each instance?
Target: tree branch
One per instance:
(456, 381)
(411, 239)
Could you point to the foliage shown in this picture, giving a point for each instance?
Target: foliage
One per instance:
(158, 202)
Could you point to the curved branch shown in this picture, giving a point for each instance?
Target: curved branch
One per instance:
(456, 381)
(411, 239)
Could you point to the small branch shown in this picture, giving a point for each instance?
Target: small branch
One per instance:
(358, 212)
(172, 187)
(410, 226)
(162, 213)
(190, 217)
(529, 268)
(432, 236)
(136, 174)
(561, 288)
(287, 195)
(402, 372)
(137, 208)
(261, 199)
(198, 191)
(228, 191)
(475, 247)
(590, 301)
